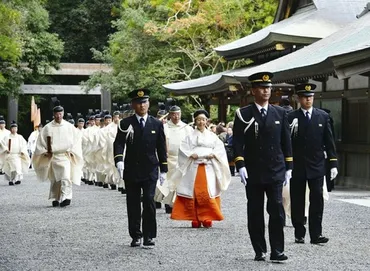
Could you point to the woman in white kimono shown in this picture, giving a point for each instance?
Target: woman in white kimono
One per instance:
(13, 149)
(201, 176)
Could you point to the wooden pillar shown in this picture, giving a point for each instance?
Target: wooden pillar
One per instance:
(106, 100)
(222, 107)
(12, 110)
(243, 97)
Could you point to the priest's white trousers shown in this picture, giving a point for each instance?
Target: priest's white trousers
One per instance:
(60, 178)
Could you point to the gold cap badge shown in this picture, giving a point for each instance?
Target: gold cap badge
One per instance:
(307, 88)
(140, 93)
(265, 77)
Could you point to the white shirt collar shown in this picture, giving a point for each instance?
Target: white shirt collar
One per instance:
(309, 111)
(260, 107)
(139, 117)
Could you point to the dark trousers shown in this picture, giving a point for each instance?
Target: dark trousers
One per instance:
(297, 197)
(256, 221)
(232, 170)
(133, 201)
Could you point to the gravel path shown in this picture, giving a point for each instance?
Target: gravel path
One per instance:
(92, 234)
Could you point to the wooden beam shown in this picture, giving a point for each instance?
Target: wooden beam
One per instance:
(59, 90)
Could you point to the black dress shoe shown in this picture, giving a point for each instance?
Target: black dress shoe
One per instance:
(11, 183)
(105, 185)
(299, 240)
(120, 189)
(90, 182)
(148, 242)
(113, 187)
(100, 184)
(260, 257)
(279, 258)
(65, 202)
(123, 191)
(168, 209)
(135, 243)
(320, 240)
(55, 203)
(18, 182)
(158, 205)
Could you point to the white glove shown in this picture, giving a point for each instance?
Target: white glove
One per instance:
(288, 176)
(162, 178)
(243, 175)
(333, 173)
(120, 166)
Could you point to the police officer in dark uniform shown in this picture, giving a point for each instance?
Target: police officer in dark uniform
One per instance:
(263, 156)
(311, 137)
(142, 139)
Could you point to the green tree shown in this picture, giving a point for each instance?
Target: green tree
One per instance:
(29, 49)
(164, 41)
(82, 25)
(10, 43)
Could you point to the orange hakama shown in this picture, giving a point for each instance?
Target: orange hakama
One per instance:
(201, 207)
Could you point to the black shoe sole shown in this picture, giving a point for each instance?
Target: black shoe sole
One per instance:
(279, 260)
(319, 243)
(65, 203)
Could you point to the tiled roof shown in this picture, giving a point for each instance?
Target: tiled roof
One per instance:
(305, 26)
(317, 58)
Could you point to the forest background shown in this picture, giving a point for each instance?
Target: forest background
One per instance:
(148, 43)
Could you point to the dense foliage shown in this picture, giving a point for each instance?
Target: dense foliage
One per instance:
(27, 48)
(164, 41)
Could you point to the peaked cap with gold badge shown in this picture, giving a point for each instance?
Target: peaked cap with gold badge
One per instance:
(139, 95)
(306, 90)
(261, 79)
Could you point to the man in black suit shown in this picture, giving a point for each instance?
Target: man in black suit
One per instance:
(141, 142)
(263, 156)
(311, 137)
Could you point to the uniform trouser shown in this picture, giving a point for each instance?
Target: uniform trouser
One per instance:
(256, 221)
(315, 212)
(133, 202)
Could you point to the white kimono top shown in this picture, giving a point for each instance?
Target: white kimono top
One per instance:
(65, 145)
(217, 169)
(17, 160)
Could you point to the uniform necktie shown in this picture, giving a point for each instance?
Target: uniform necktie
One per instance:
(263, 114)
(307, 116)
(142, 123)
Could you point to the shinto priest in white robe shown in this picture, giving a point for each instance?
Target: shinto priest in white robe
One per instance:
(16, 162)
(175, 134)
(64, 167)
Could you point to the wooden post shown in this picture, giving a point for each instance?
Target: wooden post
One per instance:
(106, 100)
(221, 107)
(12, 109)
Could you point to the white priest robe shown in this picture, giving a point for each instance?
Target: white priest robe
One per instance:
(175, 134)
(16, 161)
(64, 167)
(3, 133)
